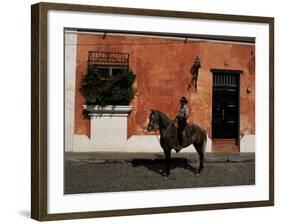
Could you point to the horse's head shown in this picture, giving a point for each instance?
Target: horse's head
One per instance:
(153, 121)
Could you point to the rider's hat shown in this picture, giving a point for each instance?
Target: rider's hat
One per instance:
(183, 100)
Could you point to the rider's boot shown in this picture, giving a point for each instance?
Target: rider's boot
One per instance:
(178, 148)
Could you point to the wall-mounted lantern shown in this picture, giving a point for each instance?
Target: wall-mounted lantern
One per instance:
(226, 62)
(194, 72)
(248, 89)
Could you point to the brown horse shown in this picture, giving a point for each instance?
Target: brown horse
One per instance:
(192, 134)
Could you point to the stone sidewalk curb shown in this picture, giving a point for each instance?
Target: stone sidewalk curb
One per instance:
(117, 157)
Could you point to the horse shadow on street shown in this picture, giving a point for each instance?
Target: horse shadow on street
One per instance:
(157, 165)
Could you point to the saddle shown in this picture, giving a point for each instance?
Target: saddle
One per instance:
(186, 132)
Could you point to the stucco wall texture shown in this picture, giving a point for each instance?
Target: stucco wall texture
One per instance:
(162, 68)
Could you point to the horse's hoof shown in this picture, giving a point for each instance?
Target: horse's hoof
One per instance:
(196, 172)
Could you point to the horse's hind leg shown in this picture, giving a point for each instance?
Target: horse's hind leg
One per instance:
(200, 150)
(167, 153)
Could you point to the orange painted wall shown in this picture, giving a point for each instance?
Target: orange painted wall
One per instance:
(162, 67)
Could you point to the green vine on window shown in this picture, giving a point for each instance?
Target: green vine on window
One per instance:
(115, 90)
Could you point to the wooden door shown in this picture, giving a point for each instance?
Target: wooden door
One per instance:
(225, 109)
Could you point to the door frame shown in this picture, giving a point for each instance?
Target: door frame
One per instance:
(236, 72)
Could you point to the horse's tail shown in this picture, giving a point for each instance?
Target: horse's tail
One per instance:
(202, 149)
(201, 137)
(204, 143)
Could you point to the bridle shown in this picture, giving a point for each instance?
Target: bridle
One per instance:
(153, 122)
(155, 125)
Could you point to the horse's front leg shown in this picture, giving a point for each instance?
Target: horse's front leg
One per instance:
(167, 153)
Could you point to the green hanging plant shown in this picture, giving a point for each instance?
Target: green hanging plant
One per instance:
(116, 90)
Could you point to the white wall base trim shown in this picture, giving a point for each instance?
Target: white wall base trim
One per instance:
(83, 143)
(148, 143)
(136, 143)
(208, 145)
(247, 143)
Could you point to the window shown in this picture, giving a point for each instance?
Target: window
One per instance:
(103, 72)
(107, 72)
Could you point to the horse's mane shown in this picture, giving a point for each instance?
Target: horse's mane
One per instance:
(163, 115)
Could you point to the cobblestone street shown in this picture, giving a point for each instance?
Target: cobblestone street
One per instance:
(92, 173)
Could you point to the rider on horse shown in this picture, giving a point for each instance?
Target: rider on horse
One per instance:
(194, 134)
(181, 119)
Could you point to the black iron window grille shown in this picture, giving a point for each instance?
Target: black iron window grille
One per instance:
(108, 58)
(225, 80)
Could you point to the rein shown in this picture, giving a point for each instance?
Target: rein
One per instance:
(158, 139)
(164, 134)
